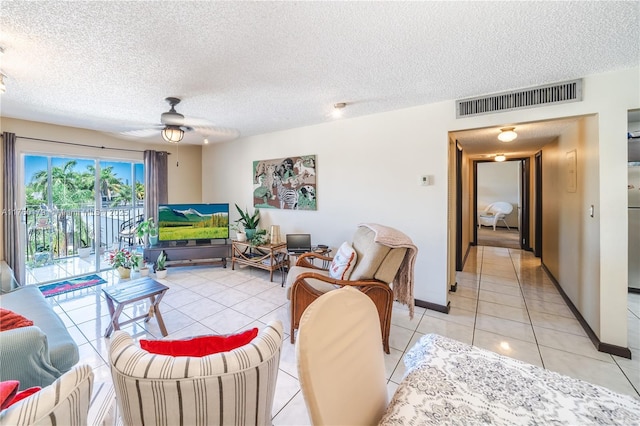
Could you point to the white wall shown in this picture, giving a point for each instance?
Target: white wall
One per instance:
(368, 170)
(499, 182)
(570, 234)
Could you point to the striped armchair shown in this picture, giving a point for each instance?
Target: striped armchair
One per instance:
(228, 388)
(64, 402)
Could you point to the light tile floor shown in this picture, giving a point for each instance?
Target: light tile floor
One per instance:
(504, 303)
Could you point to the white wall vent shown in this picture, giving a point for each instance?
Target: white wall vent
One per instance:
(557, 93)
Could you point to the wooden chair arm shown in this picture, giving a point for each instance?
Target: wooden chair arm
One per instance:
(306, 260)
(313, 275)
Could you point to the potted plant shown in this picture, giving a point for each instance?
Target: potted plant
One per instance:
(148, 231)
(260, 238)
(144, 270)
(121, 261)
(240, 235)
(161, 270)
(153, 234)
(85, 249)
(249, 221)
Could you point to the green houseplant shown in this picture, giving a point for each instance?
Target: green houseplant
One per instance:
(260, 238)
(161, 269)
(148, 230)
(249, 221)
(240, 235)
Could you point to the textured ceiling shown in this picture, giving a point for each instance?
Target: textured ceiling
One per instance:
(264, 66)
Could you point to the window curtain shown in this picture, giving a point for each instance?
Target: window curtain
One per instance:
(156, 182)
(11, 217)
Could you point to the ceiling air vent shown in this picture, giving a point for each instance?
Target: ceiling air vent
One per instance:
(568, 91)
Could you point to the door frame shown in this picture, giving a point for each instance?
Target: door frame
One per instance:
(537, 229)
(524, 218)
(459, 224)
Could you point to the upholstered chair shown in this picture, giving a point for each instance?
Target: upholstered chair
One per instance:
(226, 388)
(340, 360)
(383, 255)
(64, 402)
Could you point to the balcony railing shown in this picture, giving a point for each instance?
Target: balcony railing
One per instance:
(53, 234)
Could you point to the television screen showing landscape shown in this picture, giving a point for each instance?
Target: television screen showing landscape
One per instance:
(193, 221)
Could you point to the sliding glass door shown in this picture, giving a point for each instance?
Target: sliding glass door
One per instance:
(73, 211)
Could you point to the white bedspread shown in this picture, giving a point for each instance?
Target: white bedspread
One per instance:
(451, 383)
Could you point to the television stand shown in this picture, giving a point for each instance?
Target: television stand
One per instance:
(189, 253)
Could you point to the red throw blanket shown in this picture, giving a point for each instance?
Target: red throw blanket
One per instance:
(403, 281)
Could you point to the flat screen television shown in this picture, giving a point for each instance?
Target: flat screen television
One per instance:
(183, 222)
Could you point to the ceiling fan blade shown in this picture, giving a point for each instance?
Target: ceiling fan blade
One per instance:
(140, 133)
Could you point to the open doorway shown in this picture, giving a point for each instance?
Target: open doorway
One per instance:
(498, 207)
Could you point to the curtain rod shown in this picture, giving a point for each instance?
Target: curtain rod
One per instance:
(85, 145)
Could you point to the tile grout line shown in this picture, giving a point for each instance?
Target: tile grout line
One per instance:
(526, 307)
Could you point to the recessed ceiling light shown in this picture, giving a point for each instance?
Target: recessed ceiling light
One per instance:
(507, 134)
(206, 141)
(500, 157)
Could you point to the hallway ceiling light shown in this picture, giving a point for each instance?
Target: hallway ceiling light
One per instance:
(507, 134)
(337, 109)
(500, 157)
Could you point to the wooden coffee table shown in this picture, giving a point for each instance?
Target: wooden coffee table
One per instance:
(131, 292)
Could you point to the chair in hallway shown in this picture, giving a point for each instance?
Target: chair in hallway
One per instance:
(494, 213)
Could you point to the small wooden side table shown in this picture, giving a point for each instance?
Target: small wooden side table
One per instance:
(269, 257)
(130, 292)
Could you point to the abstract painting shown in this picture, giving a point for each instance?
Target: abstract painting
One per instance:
(285, 183)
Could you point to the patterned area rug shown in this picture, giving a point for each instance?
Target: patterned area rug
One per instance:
(55, 289)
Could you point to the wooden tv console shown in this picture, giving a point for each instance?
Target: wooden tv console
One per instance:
(190, 253)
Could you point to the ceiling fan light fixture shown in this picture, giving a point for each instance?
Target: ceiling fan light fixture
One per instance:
(499, 158)
(172, 134)
(507, 134)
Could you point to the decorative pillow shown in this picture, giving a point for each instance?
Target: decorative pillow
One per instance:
(23, 394)
(8, 391)
(199, 346)
(343, 263)
(10, 320)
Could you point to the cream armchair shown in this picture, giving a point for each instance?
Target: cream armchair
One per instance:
(235, 387)
(384, 256)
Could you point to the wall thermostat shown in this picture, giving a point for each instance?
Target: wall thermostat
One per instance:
(426, 180)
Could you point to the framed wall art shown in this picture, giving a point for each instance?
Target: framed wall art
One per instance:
(285, 183)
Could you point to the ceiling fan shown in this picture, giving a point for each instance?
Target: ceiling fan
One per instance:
(173, 127)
